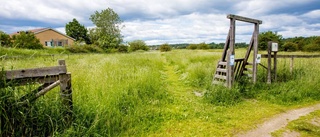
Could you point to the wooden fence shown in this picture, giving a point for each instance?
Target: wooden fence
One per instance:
(275, 57)
(49, 77)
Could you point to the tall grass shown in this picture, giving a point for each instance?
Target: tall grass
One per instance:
(135, 95)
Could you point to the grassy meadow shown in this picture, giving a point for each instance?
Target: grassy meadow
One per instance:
(154, 94)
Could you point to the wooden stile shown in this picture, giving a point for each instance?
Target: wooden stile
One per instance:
(232, 69)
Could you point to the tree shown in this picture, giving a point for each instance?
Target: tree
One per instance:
(165, 47)
(26, 40)
(290, 46)
(77, 31)
(265, 37)
(5, 40)
(107, 32)
(202, 46)
(138, 45)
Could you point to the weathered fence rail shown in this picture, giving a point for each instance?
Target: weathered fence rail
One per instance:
(49, 77)
(275, 57)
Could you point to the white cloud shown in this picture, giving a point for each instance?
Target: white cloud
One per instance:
(312, 14)
(171, 21)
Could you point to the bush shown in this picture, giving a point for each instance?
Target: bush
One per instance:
(192, 46)
(138, 45)
(123, 49)
(202, 46)
(311, 48)
(165, 47)
(26, 40)
(290, 46)
(84, 49)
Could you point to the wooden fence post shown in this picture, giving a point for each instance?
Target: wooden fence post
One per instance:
(255, 52)
(269, 63)
(275, 66)
(66, 94)
(291, 65)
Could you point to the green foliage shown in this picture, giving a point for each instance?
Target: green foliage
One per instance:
(265, 37)
(42, 117)
(138, 45)
(202, 46)
(290, 46)
(123, 48)
(192, 46)
(5, 40)
(153, 94)
(26, 40)
(198, 46)
(107, 32)
(165, 47)
(220, 95)
(84, 49)
(77, 31)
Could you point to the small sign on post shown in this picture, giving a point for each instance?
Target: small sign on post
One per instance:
(258, 59)
(274, 47)
(231, 60)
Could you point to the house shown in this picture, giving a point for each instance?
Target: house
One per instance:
(51, 38)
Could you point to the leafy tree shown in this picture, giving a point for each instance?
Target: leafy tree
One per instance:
(290, 46)
(138, 45)
(202, 46)
(107, 32)
(5, 40)
(77, 31)
(26, 40)
(165, 47)
(265, 37)
(192, 46)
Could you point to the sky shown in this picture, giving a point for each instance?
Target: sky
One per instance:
(169, 21)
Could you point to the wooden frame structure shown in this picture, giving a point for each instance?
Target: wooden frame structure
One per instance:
(229, 68)
(50, 77)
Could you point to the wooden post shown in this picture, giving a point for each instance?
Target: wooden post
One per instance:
(269, 63)
(230, 65)
(275, 66)
(255, 48)
(291, 65)
(66, 94)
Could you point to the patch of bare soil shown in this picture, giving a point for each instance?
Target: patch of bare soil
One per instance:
(279, 121)
(291, 134)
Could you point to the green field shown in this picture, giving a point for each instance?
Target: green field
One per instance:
(154, 94)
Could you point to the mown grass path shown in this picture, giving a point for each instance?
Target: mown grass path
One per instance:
(185, 108)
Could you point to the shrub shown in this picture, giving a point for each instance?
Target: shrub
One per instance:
(26, 40)
(123, 48)
(311, 47)
(192, 46)
(138, 45)
(165, 47)
(290, 46)
(84, 49)
(202, 46)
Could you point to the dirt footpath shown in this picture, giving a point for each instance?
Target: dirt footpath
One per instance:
(279, 121)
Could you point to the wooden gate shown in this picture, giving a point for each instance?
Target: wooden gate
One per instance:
(49, 77)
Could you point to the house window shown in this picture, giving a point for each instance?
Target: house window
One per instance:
(48, 43)
(60, 43)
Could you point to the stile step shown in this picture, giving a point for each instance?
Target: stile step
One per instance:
(221, 70)
(248, 69)
(220, 77)
(222, 63)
